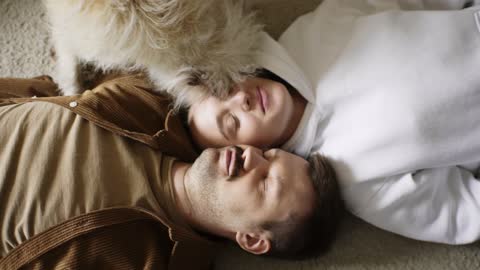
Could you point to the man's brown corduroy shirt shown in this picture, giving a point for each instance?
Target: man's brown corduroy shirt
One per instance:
(124, 237)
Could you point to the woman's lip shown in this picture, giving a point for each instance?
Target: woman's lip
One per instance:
(263, 99)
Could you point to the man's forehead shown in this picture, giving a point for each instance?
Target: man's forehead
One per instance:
(293, 160)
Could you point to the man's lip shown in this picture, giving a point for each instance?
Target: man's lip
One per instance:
(263, 99)
(230, 160)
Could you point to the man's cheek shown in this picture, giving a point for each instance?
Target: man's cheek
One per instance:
(235, 202)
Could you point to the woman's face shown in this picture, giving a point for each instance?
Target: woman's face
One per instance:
(258, 113)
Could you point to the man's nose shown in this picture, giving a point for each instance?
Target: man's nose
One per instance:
(241, 99)
(253, 159)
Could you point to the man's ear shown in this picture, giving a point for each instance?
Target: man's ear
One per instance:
(255, 243)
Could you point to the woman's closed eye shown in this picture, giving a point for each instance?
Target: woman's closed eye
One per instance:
(232, 125)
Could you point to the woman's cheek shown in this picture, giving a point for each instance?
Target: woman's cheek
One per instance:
(251, 132)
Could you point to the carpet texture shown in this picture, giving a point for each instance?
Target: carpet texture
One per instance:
(25, 51)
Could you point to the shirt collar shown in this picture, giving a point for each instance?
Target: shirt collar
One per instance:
(274, 57)
(302, 140)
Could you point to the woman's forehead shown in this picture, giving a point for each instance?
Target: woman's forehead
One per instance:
(203, 115)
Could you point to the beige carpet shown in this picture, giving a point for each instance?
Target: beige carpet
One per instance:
(25, 51)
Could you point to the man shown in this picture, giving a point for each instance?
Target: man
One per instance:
(73, 193)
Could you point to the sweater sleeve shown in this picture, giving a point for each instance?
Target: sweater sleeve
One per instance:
(428, 4)
(438, 205)
(376, 6)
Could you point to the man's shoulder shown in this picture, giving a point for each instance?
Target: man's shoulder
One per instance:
(126, 105)
(141, 112)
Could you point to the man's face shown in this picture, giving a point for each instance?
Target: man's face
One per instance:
(241, 188)
(258, 113)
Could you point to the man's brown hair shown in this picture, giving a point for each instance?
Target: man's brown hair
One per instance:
(301, 237)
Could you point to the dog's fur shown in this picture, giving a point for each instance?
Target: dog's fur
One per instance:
(190, 48)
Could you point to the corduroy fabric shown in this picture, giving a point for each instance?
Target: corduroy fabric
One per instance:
(116, 238)
(125, 106)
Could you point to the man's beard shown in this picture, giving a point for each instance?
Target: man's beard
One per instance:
(203, 185)
(205, 178)
(204, 169)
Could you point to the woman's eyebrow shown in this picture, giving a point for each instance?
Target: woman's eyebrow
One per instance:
(220, 125)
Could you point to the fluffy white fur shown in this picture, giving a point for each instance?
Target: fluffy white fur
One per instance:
(190, 48)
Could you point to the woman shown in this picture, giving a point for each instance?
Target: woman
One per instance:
(391, 99)
(263, 111)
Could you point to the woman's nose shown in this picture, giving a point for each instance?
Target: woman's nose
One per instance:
(253, 159)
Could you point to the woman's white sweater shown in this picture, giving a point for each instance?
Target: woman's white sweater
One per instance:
(394, 103)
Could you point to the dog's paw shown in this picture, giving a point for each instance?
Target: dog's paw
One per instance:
(69, 89)
(68, 82)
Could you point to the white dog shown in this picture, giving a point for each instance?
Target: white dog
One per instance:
(190, 48)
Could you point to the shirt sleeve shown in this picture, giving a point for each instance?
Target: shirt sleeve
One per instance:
(42, 86)
(438, 205)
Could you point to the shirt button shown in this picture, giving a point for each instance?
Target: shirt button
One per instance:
(73, 104)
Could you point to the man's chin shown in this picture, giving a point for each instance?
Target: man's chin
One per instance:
(206, 166)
